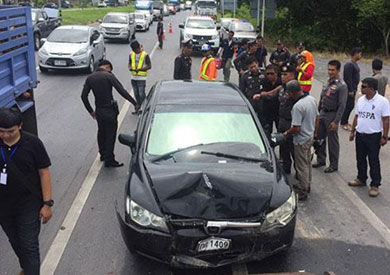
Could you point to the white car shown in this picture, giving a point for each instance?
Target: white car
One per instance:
(141, 22)
(118, 25)
(242, 30)
(102, 4)
(72, 47)
(148, 15)
(188, 5)
(201, 30)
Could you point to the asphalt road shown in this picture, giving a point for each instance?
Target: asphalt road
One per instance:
(338, 229)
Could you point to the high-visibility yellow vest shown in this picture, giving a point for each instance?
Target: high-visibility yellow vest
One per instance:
(139, 65)
(205, 64)
(304, 82)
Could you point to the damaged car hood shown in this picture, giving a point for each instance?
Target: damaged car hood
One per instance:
(212, 193)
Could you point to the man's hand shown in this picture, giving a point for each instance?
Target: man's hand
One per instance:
(93, 115)
(351, 94)
(256, 96)
(383, 141)
(298, 69)
(45, 214)
(352, 136)
(241, 71)
(333, 126)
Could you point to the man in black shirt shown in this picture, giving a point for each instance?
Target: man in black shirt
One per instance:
(101, 83)
(280, 56)
(160, 32)
(25, 189)
(183, 62)
(241, 62)
(261, 52)
(227, 48)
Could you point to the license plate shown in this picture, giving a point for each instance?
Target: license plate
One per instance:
(213, 244)
(59, 63)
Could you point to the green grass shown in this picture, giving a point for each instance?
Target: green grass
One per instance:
(90, 15)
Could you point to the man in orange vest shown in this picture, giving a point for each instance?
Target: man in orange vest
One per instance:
(208, 66)
(139, 64)
(305, 71)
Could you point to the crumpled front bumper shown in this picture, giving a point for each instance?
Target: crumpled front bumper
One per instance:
(179, 249)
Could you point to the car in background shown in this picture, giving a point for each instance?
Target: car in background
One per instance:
(72, 47)
(141, 21)
(50, 5)
(182, 6)
(43, 25)
(157, 9)
(204, 188)
(118, 25)
(65, 4)
(102, 4)
(206, 8)
(165, 11)
(242, 29)
(201, 30)
(188, 5)
(172, 8)
(225, 23)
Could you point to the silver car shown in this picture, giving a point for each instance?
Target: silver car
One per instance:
(72, 47)
(118, 25)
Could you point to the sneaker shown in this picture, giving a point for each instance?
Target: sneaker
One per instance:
(374, 191)
(356, 182)
(113, 164)
(330, 169)
(347, 127)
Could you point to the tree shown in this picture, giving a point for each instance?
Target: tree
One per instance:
(377, 12)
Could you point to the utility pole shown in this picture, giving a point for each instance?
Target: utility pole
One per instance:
(234, 8)
(262, 19)
(258, 13)
(223, 7)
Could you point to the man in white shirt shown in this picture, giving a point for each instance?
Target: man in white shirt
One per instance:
(371, 124)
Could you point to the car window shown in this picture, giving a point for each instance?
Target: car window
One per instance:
(139, 16)
(206, 4)
(119, 19)
(44, 15)
(200, 24)
(173, 130)
(68, 36)
(243, 28)
(95, 35)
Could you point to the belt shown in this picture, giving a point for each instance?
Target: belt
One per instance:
(328, 111)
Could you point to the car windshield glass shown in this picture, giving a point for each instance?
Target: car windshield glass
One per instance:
(226, 132)
(200, 24)
(243, 28)
(225, 23)
(206, 4)
(68, 36)
(139, 16)
(34, 16)
(120, 19)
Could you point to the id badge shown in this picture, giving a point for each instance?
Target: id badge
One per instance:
(3, 178)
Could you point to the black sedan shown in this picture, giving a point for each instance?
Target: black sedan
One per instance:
(204, 187)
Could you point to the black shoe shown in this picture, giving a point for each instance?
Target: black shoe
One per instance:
(302, 196)
(316, 165)
(113, 164)
(330, 169)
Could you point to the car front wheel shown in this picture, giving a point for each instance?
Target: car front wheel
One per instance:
(91, 66)
(37, 41)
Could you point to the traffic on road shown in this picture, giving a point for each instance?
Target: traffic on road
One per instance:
(213, 159)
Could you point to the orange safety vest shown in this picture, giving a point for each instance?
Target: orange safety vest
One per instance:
(304, 82)
(203, 69)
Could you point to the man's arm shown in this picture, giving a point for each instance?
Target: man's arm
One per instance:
(148, 64)
(354, 123)
(317, 126)
(118, 86)
(45, 178)
(237, 62)
(213, 69)
(84, 98)
(296, 122)
(292, 131)
(177, 68)
(347, 76)
(342, 101)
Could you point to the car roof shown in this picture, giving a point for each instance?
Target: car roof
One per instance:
(177, 92)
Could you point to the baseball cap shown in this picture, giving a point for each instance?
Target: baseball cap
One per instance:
(187, 43)
(279, 42)
(206, 47)
(287, 68)
(300, 44)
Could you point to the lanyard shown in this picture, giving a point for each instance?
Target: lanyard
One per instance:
(9, 157)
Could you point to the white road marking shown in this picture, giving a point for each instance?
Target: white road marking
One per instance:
(61, 240)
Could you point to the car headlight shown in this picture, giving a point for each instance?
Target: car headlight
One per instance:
(187, 36)
(281, 215)
(81, 52)
(43, 51)
(102, 29)
(124, 30)
(145, 218)
(214, 37)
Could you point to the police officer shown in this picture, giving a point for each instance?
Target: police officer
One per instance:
(250, 83)
(241, 62)
(285, 106)
(183, 62)
(331, 106)
(101, 83)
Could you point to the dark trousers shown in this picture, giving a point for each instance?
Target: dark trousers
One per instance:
(160, 41)
(107, 126)
(333, 141)
(348, 109)
(286, 150)
(139, 90)
(367, 145)
(22, 230)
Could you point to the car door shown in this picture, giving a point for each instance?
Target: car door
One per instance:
(97, 44)
(42, 25)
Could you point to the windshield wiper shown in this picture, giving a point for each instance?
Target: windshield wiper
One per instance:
(223, 155)
(170, 154)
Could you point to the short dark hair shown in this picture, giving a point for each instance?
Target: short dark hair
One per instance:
(371, 82)
(10, 117)
(232, 32)
(335, 63)
(377, 64)
(259, 37)
(135, 45)
(272, 67)
(252, 59)
(293, 86)
(355, 51)
(106, 62)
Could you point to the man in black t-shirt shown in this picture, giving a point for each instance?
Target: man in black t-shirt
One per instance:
(25, 189)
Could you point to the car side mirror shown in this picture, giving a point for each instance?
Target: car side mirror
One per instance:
(181, 25)
(276, 139)
(41, 20)
(128, 140)
(100, 21)
(43, 40)
(94, 43)
(218, 26)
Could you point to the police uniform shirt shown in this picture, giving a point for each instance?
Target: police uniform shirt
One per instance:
(370, 113)
(271, 102)
(250, 84)
(286, 104)
(241, 62)
(182, 68)
(279, 56)
(333, 98)
(23, 189)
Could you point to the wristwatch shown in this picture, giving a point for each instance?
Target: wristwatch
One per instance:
(49, 203)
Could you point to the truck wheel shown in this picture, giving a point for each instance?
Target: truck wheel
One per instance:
(43, 70)
(37, 41)
(91, 66)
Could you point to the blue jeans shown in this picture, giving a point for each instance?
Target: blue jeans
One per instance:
(22, 230)
(139, 90)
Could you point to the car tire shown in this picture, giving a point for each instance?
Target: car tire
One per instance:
(43, 70)
(104, 54)
(180, 44)
(147, 28)
(91, 66)
(37, 41)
